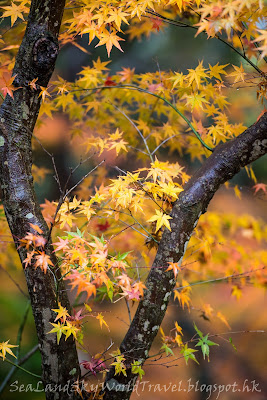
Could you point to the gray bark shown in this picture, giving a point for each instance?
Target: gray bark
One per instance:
(36, 59)
(222, 165)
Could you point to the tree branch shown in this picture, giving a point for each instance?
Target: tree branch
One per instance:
(226, 161)
(36, 59)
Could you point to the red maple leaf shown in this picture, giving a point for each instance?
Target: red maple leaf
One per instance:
(110, 82)
(95, 365)
(157, 23)
(103, 227)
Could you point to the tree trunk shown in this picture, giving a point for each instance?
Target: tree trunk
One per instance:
(222, 165)
(36, 59)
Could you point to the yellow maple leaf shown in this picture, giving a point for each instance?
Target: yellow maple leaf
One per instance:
(197, 74)
(15, 11)
(101, 320)
(5, 348)
(262, 38)
(238, 74)
(118, 146)
(44, 93)
(236, 292)
(162, 220)
(217, 70)
(223, 319)
(110, 39)
(62, 312)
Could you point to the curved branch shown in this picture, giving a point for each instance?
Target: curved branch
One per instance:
(226, 161)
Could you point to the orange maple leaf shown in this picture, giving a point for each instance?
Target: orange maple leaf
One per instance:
(8, 88)
(43, 261)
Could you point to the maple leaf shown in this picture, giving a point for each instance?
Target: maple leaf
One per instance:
(118, 146)
(223, 319)
(174, 267)
(162, 220)
(66, 218)
(178, 328)
(62, 313)
(15, 11)
(137, 369)
(43, 261)
(70, 329)
(131, 294)
(61, 245)
(36, 228)
(59, 329)
(126, 74)
(188, 353)
(103, 227)
(117, 16)
(44, 93)
(196, 100)
(119, 365)
(8, 88)
(110, 82)
(236, 292)
(5, 348)
(32, 84)
(260, 186)
(101, 320)
(95, 365)
(100, 65)
(82, 282)
(157, 23)
(262, 38)
(181, 4)
(139, 287)
(110, 39)
(28, 259)
(217, 70)
(183, 295)
(195, 75)
(238, 74)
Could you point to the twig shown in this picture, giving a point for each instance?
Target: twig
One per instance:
(220, 279)
(185, 25)
(13, 280)
(139, 89)
(162, 143)
(138, 130)
(128, 309)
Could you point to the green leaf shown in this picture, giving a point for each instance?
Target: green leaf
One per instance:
(231, 341)
(122, 256)
(137, 369)
(188, 353)
(204, 343)
(167, 349)
(200, 334)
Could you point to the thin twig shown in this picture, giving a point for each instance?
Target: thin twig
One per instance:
(138, 130)
(128, 309)
(185, 25)
(220, 279)
(13, 280)
(162, 143)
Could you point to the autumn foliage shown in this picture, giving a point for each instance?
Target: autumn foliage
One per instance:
(106, 228)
